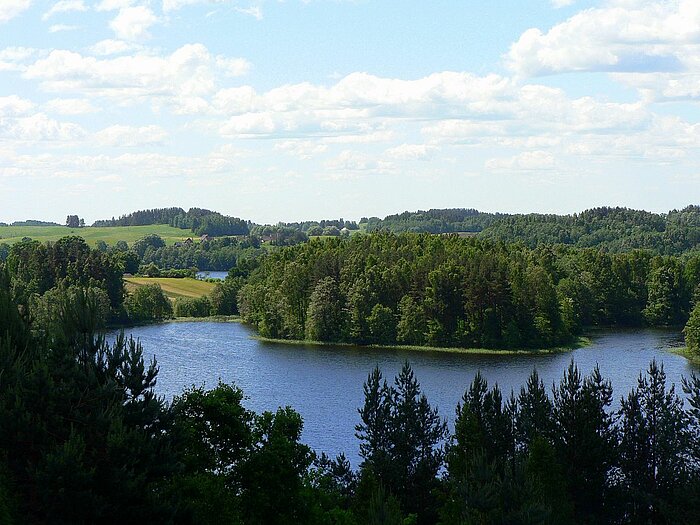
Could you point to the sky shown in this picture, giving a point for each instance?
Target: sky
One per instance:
(285, 110)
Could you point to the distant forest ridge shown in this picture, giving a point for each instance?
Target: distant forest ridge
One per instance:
(614, 228)
(30, 222)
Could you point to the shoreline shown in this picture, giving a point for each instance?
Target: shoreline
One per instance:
(580, 342)
(683, 351)
(208, 319)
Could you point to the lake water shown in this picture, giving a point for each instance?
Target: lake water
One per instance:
(212, 275)
(324, 384)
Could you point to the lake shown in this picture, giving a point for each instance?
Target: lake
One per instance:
(211, 275)
(324, 384)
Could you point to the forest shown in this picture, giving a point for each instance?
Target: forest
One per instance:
(85, 439)
(615, 229)
(447, 291)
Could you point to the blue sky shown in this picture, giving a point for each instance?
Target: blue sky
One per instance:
(285, 110)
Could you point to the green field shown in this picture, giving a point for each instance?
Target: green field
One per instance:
(172, 287)
(130, 234)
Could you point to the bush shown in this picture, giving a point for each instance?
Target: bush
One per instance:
(192, 307)
(692, 330)
(148, 303)
(224, 297)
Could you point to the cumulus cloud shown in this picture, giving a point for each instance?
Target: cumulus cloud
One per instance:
(622, 36)
(113, 5)
(70, 106)
(65, 6)
(12, 8)
(14, 105)
(57, 28)
(186, 74)
(113, 47)
(133, 23)
(302, 149)
(411, 152)
(526, 161)
(39, 127)
(131, 136)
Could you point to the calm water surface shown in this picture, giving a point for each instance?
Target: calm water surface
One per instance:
(212, 275)
(324, 384)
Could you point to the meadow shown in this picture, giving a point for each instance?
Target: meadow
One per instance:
(130, 234)
(173, 287)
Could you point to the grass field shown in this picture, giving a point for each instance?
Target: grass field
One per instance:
(172, 287)
(130, 234)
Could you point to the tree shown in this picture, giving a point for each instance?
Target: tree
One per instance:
(585, 439)
(402, 441)
(323, 319)
(692, 330)
(411, 326)
(73, 221)
(148, 303)
(382, 325)
(653, 447)
(534, 416)
(224, 296)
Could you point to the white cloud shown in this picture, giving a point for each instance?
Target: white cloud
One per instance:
(622, 36)
(39, 127)
(561, 3)
(133, 23)
(70, 106)
(12, 8)
(302, 149)
(353, 161)
(13, 106)
(411, 152)
(526, 161)
(65, 6)
(113, 5)
(254, 11)
(248, 124)
(57, 28)
(179, 79)
(113, 47)
(130, 136)
(233, 67)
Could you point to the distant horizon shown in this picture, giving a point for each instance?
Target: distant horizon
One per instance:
(89, 221)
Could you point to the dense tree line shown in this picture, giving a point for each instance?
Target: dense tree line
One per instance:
(616, 229)
(220, 254)
(31, 222)
(84, 439)
(36, 268)
(446, 291)
(38, 274)
(199, 221)
(433, 221)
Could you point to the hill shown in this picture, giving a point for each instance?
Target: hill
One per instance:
(130, 234)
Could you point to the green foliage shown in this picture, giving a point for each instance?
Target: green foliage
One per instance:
(653, 449)
(224, 296)
(692, 330)
(193, 307)
(49, 310)
(382, 325)
(323, 319)
(449, 291)
(36, 268)
(148, 303)
(82, 430)
(401, 439)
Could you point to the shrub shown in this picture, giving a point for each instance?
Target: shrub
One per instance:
(193, 307)
(148, 303)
